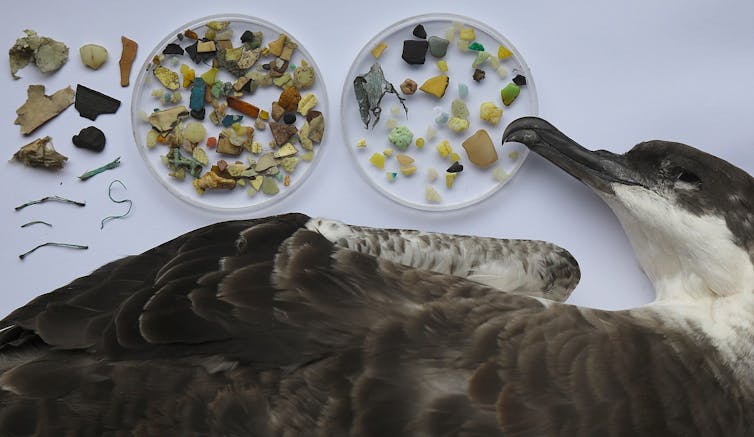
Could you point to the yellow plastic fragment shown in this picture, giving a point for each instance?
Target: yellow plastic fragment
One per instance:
(420, 142)
(241, 182)
(442, 65)
(432, 195)
(152, 138)
(408, 171)
(264, 115)
(388, 152)
(458, 124)
(431, 132)
(308, 156)
(444, 148)
(391, 123)
(306, 103)
(378, 49)
(378, 160)
(168, 78)
(235, 169)
(286, 149)
(503, 52)
(450, 179)
(513, 155)
(404, 159)
(454, 157)
(276, 47)
(490, 112)
(209, 76)
(431, 175)
(468, 34)
(362, 143)
(256, 183)
(200, 155)
(256, 147)
(188, 75)
(391, 176)
(436, 85)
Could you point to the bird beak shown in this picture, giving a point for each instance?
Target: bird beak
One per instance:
(598, 169)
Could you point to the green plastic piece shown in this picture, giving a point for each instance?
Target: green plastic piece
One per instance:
(509, 93)
(476, 47)
(269, 186)
(401, 137)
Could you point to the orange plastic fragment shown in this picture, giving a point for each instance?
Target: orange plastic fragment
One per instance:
(245, 108)
(127, 57)
(190, 34)
(211, 142)
(287, 180)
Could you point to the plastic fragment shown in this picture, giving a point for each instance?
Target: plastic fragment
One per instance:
(53, 244)
(127, 57)
(47, 54)
(230, 119)
(432, 175)
(110, 195)
(478, 75)
(40, 108)
(442, 65)
(391, 123)
(391, 176)
(438, 47)
(401, 137)
(481, 59)
(499, 174)
(519, 80)
(503, 53)
(168, 78)
(175, 161)
(307, 103)
(404, 159)
(414, 52)
(93, 55)
(286, 149)
(200, 156)
(109, 166)
(378, 160)
(467, 34)
(289, 98)
(369, 89)
(172, 49)
(194, 132)
(513, 155)
(480, 149)
(419, 32)
(361, 143)
(463, 90)
(50, 199)
(213, 181)
(419, 142)
(388, 152)
(40, 153)
(270, 186)
(450, 179)
(408, 170)
(456, 167)
(436, 85)
(475, 46)
(408, 87)
(166, 120)
(444, 149)
(91, 103)
(431, 195)
(509, 93)
(490, 112)
(459, 109)
(458, 124)
(303, 76)
(502, 72)
(431, 132)
(378, 49)
(242, 106)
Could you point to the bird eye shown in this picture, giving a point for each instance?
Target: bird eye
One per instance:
(688, 177)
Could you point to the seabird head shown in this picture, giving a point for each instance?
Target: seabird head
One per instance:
(688, 214)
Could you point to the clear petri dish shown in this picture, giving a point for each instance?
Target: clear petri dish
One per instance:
(150, 95)
(425, 113)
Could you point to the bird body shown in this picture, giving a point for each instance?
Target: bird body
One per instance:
(292, 326)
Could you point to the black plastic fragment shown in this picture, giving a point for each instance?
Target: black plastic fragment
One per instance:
(197, 57)
(519, 80)
(199, 115)
(172, 49)
(289, 117)
(414, 51)
(90, 138)
(91, 103)
(456, 167)
(247, 36)
(478, 74)
(419, 32)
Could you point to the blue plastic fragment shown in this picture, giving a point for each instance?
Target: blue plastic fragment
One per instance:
(442, 119)
(229, 120)
(463, 90)
(197, 94)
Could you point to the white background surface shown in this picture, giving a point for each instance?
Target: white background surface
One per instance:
(609, 75)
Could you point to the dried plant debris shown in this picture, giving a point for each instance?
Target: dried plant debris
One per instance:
(35, 222)
(40, 153)
(91, 103)
(109, 166)
(127, 57)
(50, 199)
(90, 138)
(40, 108)
(53, 244)
(110, 195)
(370, 88)
(46, 53)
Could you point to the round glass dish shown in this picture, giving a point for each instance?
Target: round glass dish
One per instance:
(150, 95)
(419, 189)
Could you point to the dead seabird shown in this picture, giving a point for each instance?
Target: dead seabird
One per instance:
(298, 327)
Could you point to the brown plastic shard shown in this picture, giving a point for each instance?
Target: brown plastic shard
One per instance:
(127, 57)
(46, 53)
(39, 108)
(40, 153)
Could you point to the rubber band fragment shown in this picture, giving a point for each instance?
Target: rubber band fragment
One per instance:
(35, 222)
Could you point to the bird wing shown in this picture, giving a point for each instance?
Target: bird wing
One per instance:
(263, 327)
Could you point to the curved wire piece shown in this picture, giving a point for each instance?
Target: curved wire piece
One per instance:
(35, 222)
(50, 199)
(50, 243)
(110, 195)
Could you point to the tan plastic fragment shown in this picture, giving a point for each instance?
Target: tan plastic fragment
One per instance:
(39, 108)
(127, 57)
